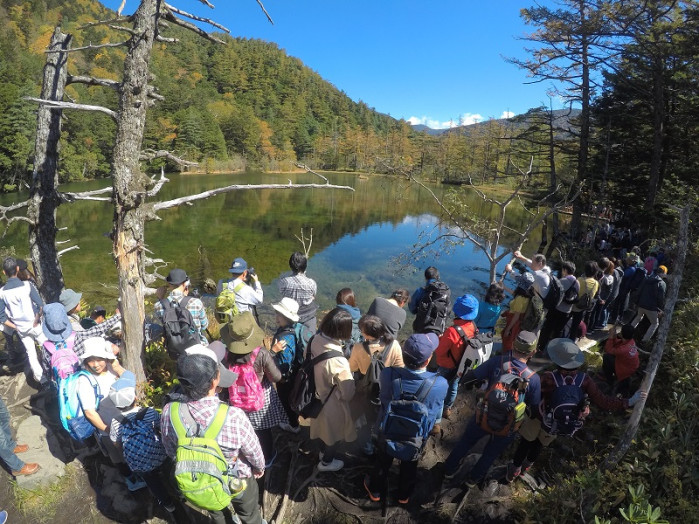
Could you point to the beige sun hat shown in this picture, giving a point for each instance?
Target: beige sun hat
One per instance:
(287, 307)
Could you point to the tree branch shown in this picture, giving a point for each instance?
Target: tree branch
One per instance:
(70, 105)
(309, 170)
(157, 184)
(170, 17)
(197, 18)
(87, 47)
(4, 210)
(259, 2)
(63, 251)
(213, 192)
(86, 195)
(92, 81)
(148, 155)
(107, 22)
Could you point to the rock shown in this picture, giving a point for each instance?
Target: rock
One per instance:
(32, 432)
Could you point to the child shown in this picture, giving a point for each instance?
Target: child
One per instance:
(490, 307)
(518, 306)
(136, 432)
(620, 359)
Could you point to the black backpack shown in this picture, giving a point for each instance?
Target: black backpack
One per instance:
(432, 309)
(554, 297)
(369, 382)
(178, 327)
(303, 399)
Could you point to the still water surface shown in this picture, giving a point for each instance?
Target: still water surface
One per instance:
(357, 236)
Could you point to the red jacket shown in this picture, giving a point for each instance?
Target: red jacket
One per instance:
(626, 356)
(451, 346)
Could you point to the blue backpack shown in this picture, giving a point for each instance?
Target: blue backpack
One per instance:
(141, 442)
(562, 414)
(70, 410)
(405, 426)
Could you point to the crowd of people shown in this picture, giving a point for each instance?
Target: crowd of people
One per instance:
(348, 375)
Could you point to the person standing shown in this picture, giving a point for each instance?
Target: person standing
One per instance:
(9, 448)
(301, 288)
(246, 286)
(391, 311)
(430, 304)
(651, 301)
(20, 309)
(178, 282)
(542, 273)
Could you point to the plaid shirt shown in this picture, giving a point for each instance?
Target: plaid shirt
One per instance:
(80, 337)
(195, 307)
(299, 287)
(237, 438)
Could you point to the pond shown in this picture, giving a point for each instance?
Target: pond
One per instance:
(360, 238)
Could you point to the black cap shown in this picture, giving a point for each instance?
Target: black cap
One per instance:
(176, 277)
(22, 264)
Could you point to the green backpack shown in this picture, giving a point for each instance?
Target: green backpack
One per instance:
(226, 307)
(534, 315)
(202, 472)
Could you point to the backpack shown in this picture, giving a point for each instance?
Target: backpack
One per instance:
(369, 382)
(178, 327)
(226, 307)
(70, 409)
(534, 315)
(561, 416)
(637, 279)
(405, 426)
(302, 337)
(140, 440)
(247, 392)
(477, 350)
(585, 302)
(571, 294)
(64, 361)
(554, 297)
(501, 410)
(303, 399)
(432, 308)
(202, 472)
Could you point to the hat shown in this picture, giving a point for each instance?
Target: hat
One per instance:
(99, 311)
(525, 281)
(55, 322)
(242, 335)
(176, 277)
(565, 353)
(69, 299)
(97, 347)
(287, 307)
(419, 347)
(662, 270)
(466, 307)
(238, 266)
(525, 342)
(228, 377)
(123, 391)
(22, 264)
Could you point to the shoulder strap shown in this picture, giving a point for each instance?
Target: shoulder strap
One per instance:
(141, 414)
(419, 396)
(238, 286)
(461, 333)
(580, 376)
(185, 300)
(176, 421)
(325, 355)
(217, 423)
(365, 344)
(397, 385)
(385, 351)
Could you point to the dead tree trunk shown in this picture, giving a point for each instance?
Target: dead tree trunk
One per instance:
(130, 184)
(44, 198)
(657, 354)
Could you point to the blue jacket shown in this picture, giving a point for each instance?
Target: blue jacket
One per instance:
(356, 315)
(410, 383)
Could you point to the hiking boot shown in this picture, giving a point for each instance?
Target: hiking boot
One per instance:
(21, 448)
(288, 427)
(526, 466)
(374, 496)
(404, 501)
(512, 472)
(335, 465)
(436, 430)
(447, 413)
(28, 469)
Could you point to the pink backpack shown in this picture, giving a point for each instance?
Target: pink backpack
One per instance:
(247, 392)
(64, 361)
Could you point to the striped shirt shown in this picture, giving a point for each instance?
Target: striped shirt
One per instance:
(237, 438)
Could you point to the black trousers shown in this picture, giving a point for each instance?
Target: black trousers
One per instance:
(379, 477)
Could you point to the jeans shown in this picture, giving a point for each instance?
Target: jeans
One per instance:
(452, 389)
(7, 444)
(493, 449)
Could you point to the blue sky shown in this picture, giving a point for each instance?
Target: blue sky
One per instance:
(428, 62)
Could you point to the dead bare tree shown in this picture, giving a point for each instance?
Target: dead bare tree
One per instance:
(131, 188)
(656, 354)
(487, 233)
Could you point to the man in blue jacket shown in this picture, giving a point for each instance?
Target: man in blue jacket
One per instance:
(491, 371)
(411, 381)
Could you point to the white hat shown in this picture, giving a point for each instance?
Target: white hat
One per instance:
(227, 377)
(288, 308)
(99, 348)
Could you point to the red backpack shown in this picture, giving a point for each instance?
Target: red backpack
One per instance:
(247, 392)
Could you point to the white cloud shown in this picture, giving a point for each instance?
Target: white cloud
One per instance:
(507, 114)
(463, 120)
